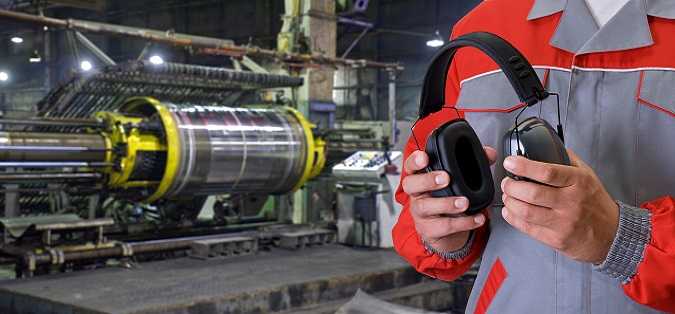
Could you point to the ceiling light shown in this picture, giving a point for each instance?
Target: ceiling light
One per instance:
(16, 40)
(437, 41)
(86, 66)
(156, 60)
(4, 77)
(35, 57)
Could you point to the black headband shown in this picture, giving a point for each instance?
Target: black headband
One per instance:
(518, 70)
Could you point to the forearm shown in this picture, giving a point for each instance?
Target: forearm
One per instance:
(455, 246)
(444, 265)
(643, 253)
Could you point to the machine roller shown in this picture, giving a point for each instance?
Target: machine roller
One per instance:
(148, 151)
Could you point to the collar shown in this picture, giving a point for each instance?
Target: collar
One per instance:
(578, 33)
(658, 8)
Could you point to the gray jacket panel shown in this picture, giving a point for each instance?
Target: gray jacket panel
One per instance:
(627, 143)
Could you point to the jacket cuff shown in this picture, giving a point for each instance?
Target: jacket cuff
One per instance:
(630, 242)
(459, 254)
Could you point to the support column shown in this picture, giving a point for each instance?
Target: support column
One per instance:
(310, 26)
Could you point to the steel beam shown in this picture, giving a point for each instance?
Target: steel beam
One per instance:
(205, 45)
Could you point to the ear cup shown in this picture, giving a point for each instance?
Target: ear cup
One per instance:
(455, 148)
(538, 141)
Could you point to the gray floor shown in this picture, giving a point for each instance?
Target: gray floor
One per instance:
(269, 281)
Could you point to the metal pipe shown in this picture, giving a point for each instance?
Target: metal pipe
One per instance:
(52, 149)
(46, 164)
(53, 122)
(355, 42)
(118, 251)
(94, 49)
(206, 45)
(28, 177)
(69, 149)
(392, 107)
(346, 20)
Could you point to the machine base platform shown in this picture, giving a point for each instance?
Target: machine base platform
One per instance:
(311, 280)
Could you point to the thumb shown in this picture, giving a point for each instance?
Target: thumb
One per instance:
(576, 161)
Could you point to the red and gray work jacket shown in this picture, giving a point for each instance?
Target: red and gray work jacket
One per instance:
(617, 88)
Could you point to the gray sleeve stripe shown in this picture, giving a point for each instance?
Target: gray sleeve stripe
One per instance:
(628, 247)
(453, 255)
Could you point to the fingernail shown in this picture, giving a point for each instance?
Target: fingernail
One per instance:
(419, 160)
(509, 164)
(440, 180)
(503, 183)
(461, 203)
(479, 219)
(504, 212)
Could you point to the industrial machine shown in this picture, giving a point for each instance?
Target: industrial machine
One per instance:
(151, 133)
(366, 210)
(143, 160)
(140, 150)
(149, 151)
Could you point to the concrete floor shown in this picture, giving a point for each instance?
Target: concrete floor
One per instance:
(277, 280)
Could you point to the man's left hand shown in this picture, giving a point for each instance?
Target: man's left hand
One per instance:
(570, 212)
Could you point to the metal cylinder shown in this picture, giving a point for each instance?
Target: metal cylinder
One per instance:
(228, 150)
(51, 147)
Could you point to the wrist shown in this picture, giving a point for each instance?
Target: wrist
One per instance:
(608, 233)
(628, 246)
(455, 246)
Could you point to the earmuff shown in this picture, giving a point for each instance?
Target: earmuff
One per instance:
(454, 147)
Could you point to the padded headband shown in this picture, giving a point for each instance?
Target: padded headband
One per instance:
(518, 70)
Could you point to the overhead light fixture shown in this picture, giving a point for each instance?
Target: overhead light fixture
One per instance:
(86, 66)
(16, 39)
(156, 60)
(437, 41)
(35, 57)
(4, 76)
(434, 43)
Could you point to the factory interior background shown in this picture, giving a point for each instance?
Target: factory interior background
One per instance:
(211, 156)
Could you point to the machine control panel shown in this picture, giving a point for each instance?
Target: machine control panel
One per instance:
(365, 164)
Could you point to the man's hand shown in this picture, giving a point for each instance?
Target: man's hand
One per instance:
(572, 213)
(431, 215)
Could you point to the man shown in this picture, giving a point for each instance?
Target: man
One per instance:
(597, 236)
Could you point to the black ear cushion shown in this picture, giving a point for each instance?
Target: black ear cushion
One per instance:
(455, 148)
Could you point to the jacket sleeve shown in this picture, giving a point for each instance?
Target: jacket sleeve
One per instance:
(654, 281)
(407, 242)
(409, 245)
(642, 255)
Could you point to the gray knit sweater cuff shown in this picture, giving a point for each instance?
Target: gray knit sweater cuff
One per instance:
(453, 255)
(627, 250)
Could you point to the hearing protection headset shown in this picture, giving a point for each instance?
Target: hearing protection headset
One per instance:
(455, 148)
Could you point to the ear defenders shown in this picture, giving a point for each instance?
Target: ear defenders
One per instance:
(454, 147)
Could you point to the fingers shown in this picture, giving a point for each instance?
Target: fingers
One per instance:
(535, 231)
(443, 227)
(534, 214)
(491, 154)
(547, 173)
(415, 184)
(530, 192)
(433, 207)
(545, 235)
(417, 161)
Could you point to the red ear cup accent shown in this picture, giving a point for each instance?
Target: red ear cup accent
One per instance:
(455, 148)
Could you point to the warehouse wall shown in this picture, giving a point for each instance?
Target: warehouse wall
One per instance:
(386, 43)
(255, 21)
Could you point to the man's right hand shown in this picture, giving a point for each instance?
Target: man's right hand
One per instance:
(432, 215)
